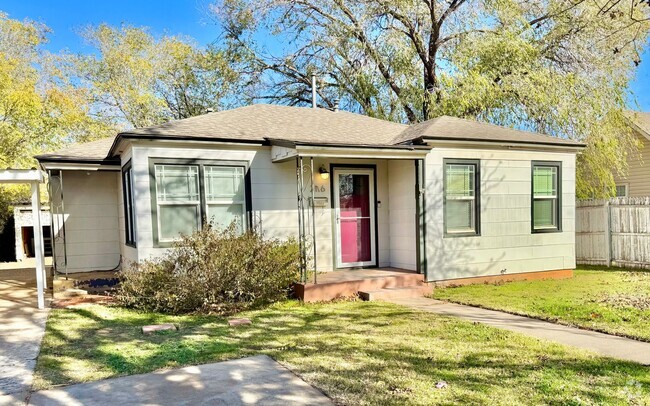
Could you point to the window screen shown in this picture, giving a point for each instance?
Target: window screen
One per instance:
(546, 197)
(461, 197)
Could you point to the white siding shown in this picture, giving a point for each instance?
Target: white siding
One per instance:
(506, 244)
(274, 202)
(638, 176)
(273, 188)
(91, 220)
(401, 212)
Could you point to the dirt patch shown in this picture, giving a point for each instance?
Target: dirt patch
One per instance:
(640, 302)
(80, 301)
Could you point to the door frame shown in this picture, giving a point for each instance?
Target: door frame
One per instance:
(374, 231)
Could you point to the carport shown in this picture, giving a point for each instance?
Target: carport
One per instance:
(33, 177)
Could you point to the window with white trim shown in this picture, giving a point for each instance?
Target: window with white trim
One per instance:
(225, 195)
(190, 193)
(178, 200)
(461, 194)
(621, 190)
(546, 196)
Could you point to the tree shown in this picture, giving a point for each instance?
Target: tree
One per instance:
(38, 111)
(138, 80)
(560, 67)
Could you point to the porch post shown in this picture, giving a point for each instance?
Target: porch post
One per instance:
(38, 245)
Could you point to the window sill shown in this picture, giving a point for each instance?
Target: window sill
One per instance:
(462, 234)
(546, 230)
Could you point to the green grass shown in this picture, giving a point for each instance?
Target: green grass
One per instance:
(356, 352)
(615, 301)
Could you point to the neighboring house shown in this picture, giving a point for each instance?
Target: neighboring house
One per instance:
(637, 181)
(449, 198)
(24, 232)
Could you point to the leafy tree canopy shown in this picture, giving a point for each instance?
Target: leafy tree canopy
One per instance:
(138, 80)
(560, 67)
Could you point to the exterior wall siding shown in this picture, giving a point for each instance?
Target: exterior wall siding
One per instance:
(273, 194)
(91, 220)
(506, 244)
(637, 178)
(401, 213)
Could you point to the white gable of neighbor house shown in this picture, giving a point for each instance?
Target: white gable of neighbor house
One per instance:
(23, 218)
(637, 178)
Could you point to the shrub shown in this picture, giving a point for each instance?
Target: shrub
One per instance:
(214, 271)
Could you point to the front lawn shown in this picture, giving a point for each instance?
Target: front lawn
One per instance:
(615, 300)
(356, 352)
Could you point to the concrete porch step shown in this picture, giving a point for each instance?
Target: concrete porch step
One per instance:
(397, 293)
(348, 284)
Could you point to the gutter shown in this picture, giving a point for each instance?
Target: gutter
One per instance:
(134, 136)
(509, 143)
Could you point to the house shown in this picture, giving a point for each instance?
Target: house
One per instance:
(451, 199)
(24, 232)
(636, 183)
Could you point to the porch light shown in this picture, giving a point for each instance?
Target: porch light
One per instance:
(324, 173)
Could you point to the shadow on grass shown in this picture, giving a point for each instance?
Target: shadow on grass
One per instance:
(357, 352)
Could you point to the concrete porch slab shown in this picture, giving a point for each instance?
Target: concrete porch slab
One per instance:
(347, 283)
(246, 381)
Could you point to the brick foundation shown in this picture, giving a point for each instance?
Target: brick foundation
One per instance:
(524, 276)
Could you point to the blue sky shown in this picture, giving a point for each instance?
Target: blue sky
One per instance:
(189, 17)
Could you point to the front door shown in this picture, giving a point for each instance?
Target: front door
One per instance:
(354, 204)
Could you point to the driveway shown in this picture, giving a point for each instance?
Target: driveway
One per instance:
(246, 381)
(22, 327)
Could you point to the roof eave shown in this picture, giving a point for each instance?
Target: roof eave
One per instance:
(514, 143)
(294, 144)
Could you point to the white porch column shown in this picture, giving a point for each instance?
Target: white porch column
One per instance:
(39, 254)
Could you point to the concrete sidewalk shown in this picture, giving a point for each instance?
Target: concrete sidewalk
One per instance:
(605, 344)
(22, 327)
(253, 380)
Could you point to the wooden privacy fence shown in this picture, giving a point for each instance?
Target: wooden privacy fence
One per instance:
(614, 231)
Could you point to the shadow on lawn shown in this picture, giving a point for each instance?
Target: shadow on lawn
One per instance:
(356, 352)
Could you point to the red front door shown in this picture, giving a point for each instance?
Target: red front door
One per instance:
(355, 215)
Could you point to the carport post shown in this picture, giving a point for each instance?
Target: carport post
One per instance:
(39, 254)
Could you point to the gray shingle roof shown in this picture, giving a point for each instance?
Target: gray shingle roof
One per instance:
(89, 151)
(263, 122)
(259, 122)
(459, 129)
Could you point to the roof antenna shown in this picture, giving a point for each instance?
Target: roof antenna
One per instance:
(313, 90)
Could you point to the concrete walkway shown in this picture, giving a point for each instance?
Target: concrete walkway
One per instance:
(22, 327)
(253, 380)
(605, 344)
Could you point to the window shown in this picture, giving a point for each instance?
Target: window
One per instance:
(621, 190)
(127, 193)
(224, 195)
(177, 195)
(461, 194)
(546, 193)
(189, 193)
